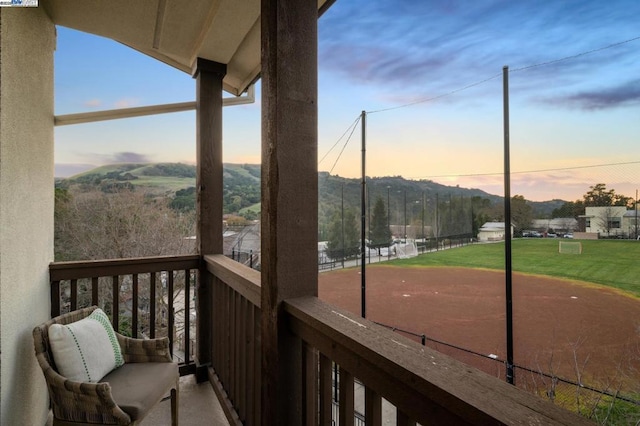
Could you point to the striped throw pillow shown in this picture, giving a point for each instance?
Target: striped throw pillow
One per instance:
(85, 350)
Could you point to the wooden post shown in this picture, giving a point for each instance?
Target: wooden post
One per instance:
(289, 196)
(208, 75)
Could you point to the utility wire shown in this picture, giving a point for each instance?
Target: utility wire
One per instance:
(421, 101)
(469, 86)
(355, 124)
(567, 58)
(530, 171)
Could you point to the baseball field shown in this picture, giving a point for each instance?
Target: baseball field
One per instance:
(575, 316)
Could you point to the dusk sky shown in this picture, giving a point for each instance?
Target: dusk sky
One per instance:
(429, 73)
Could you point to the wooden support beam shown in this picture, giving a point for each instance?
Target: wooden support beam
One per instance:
(208, 75)
(289, 218)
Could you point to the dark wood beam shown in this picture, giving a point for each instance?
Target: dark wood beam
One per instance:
(289, 196)
(208, 75)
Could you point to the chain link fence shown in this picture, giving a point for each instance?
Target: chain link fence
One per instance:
(604, 405)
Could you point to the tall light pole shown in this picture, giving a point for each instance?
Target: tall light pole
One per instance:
(507, 229)
(405, 216)
(388, 224)
(342, 215)
(424, 239)
(363, 193)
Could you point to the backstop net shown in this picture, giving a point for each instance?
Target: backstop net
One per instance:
(570, 247)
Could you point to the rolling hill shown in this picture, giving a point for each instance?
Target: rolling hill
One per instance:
(242, 188)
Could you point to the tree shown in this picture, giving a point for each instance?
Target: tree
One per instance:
(379, 233)
(599, 196)
(569, 209)
(97, 225)
(125, 224)
(347, 232)
(521, 213)
(480, 212)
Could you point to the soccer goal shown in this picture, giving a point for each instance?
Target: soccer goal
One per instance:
(570, 247)
(407, 249)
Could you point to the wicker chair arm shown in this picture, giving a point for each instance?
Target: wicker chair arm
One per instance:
(144, 350)
(81, 402)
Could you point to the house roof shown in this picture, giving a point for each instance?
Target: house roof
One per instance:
(177, 32)
(493, 226)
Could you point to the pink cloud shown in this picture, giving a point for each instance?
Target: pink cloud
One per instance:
(126, 103)
(92, 103)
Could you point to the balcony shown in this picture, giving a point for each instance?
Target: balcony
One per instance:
(348, 365)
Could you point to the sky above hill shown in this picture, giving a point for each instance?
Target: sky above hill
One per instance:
(429, 74)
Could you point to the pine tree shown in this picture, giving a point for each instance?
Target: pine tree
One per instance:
(379, 232)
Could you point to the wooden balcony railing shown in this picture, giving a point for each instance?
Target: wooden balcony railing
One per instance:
(425, 386)
(236, 341)
(144, 297)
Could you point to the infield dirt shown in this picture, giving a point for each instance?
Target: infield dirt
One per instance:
(558, 324)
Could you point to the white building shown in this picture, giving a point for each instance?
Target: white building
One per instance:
(605, 221)
(492, 231)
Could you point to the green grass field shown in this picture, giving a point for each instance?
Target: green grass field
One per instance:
(613, 263)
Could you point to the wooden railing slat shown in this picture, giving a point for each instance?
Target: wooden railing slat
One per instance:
(326, 399)
(171, 311)
(372, 407)
(346, 397)
(115, 302)
(74, 294)
(187, 315)
(94, 290)
(55, 298)
(403, 420)
(152, 305)
(134, 306)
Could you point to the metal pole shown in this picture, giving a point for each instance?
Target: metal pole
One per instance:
(405, 216)
(437, 220)
(507, 228)
(388, 224)
(636, 214)
(342, 215)
(424, 237)
(369, 220)
(363, 218)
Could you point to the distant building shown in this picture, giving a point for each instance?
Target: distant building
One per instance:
(559, 225)
(492, 231)
(606, 221)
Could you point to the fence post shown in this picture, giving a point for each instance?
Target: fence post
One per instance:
(251, 259)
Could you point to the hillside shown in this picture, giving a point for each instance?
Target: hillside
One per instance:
(242, 189)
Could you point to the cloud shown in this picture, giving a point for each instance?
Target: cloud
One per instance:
(130, 157)
(93, 103)
(126, 103)
(416, 47)
(625, 94)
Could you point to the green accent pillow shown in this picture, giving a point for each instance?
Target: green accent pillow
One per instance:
(86, 350)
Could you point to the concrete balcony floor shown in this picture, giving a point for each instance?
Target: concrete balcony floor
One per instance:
(198, 406)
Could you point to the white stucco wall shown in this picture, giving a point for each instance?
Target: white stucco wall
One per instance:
(27, 42)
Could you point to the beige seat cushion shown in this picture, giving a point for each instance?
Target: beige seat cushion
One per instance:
(137, 387)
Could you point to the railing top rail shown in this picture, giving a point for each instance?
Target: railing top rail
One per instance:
(103, 268)
(427, 385)
(241, 278)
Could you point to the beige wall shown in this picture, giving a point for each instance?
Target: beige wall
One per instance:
(27, 40)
